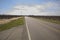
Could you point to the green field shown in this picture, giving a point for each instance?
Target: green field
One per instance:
(11, 24)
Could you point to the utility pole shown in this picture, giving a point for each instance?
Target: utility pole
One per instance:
(21, 10)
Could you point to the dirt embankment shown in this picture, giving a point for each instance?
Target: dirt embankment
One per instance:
(3, 21)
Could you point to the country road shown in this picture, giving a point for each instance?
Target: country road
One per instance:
(33, 29)
(41, 30)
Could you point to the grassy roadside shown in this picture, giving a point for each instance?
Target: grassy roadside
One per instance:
(11, 24)
(51, 20)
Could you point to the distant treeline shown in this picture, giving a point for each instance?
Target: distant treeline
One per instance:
(8, 16)
(48, 17)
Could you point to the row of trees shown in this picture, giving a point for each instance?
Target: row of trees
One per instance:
(48, 17)
(8, 16)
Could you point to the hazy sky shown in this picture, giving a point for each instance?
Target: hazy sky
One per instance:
(30, 7)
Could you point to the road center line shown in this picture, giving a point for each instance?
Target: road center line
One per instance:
(27, 30)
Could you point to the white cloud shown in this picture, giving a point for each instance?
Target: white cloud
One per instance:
(35, 9)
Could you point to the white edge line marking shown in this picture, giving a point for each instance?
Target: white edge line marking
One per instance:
(27, 30)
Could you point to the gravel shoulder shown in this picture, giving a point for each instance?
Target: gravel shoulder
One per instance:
(15, 33)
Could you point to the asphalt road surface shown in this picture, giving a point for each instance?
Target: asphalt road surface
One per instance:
(15, 33)
(42, 30)
(33, 29)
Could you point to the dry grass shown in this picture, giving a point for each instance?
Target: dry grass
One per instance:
(3, 21)
(14, 22)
